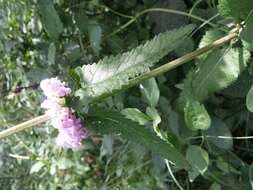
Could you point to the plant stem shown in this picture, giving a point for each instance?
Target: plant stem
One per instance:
(153, 73)
(24, 125)
(172, 11)
(186, 58)
(172, 175)
(173, 64)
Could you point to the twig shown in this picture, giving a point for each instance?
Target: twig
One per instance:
(219, 137)
(22, 126)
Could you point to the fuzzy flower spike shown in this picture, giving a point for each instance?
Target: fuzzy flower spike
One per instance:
(70, 128)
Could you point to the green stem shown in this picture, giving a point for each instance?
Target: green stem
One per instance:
(173, 64)
(160, 10)
(186, 58)
(172, 175)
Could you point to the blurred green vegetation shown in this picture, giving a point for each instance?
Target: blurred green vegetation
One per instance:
(48, 38)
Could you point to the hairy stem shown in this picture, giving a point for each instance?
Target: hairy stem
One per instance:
(153, 73)
(22, 126)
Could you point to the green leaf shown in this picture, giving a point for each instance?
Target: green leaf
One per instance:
(82, 20)
(73, 52)
(53, 169)
(225, 166)
(248, 46)
(51, 54)
(219, 128)
(220, 69)
(249, 99)
(216, 71)
(95, 36)
(209, 37)
(196, 116)
(49, 18)
(150, 91)
(154, 115)
(136, 115)
(115, 43)
(251, 175)
(112, 122)
(107, 146)
(164, 21)
(198, 159)
(248, 30)
(64, 163)
(36, 167)
(186, 47)
(234, 8)
(244, 83)
(215, 186)
(90, 28)
(113, 72)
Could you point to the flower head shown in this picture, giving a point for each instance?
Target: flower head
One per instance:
(70, 127)
(71, 137)
(54, 88)
(51, 103)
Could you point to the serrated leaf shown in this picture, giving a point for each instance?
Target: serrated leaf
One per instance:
(196, 116)
(112, 122)
(50, 18)
(111, 73)
(249, 99)
(235, 8)
(219, 128)
(198, 159)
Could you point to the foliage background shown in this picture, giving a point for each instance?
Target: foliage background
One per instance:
(41, 39)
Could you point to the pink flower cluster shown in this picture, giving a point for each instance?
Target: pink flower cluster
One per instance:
(70, 128)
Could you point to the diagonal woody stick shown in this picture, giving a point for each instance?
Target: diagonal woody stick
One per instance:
(24, 125)
(155, 72)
